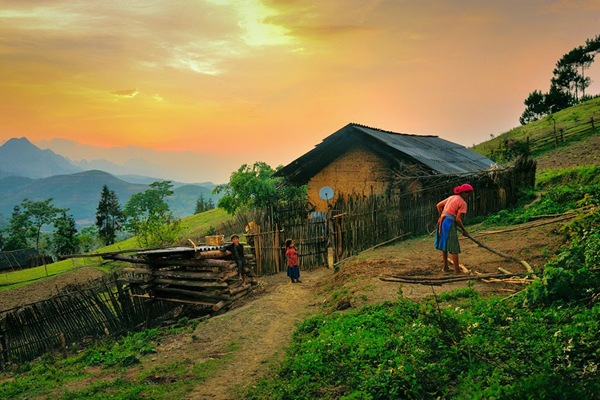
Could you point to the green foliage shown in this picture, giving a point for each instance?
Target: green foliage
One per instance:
(567, 85)
(203, 204)
(40, 213)
(123, 352)
(255, 186)
(510, 149)
(149, 217)
(17, 231)
(65, 239)
(88, 239)
(109, 217)
(482, 349)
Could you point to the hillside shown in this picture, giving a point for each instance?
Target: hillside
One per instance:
(195, 227)
(575, 122)
(80, 193)
(22, 158)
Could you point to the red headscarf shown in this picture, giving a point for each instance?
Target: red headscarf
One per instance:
(463, 188)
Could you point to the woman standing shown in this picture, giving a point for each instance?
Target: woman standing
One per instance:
(451, 211)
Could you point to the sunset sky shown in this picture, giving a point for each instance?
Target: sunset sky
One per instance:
(247, 80)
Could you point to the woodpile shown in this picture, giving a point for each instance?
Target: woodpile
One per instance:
(202, 275)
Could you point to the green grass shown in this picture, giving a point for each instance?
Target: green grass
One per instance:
(194, 227)
(122, 375)
(566, 118)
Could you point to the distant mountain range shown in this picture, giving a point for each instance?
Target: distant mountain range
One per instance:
(80, 193)
(29, 172)
(22, 158)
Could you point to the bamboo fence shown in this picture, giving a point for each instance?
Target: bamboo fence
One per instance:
(108, 308)
(356, 222)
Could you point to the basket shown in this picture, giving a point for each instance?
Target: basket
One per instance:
(216, 240)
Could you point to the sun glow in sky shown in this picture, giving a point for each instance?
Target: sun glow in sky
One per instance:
(247, 80)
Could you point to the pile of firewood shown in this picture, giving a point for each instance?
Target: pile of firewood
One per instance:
(204, 275)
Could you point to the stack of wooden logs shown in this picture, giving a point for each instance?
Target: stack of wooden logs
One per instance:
(204, 275)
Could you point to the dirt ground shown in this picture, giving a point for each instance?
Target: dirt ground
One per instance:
(584, 152)
(359, 278)
(44, 288)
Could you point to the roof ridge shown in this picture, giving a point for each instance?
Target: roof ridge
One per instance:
(384, 131)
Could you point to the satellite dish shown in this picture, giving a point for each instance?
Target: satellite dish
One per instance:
(326, 193)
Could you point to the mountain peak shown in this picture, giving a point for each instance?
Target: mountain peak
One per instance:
(20, 157)
(21, 143)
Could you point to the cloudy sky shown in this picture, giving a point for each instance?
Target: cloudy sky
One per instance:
(247, 80)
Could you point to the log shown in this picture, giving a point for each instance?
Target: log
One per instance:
(208, 263)
(204, 303)
(177, 274)
(239, 289)
(212, 254)
(196, 284)
(229, 275)
(529, 226)
(190, 293)
(219, 305)
(442, 280)
(504, 271)
(110, 253)
(527, 266)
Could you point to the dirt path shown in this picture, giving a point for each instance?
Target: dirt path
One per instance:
(260, 330)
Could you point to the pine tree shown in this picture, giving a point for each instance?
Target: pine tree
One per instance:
(109, 216)
(65, 239)
(210, 205)
(200, 205)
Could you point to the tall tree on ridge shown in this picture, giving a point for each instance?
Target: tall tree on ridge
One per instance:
(109, 217)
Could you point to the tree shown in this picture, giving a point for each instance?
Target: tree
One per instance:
(255, 186)
(2, 240)
(200, 205)
(210, 205)
(109, 217)
(39, 213)
(149, 218)
(65, 239)
(17, 231)
(88, 239)
(536, 107)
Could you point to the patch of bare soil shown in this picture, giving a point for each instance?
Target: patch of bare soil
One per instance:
(45, 288)
(418, 257)
(584, 152)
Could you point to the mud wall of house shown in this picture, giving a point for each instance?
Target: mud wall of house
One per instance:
(356, 171)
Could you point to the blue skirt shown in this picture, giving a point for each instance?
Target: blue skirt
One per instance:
(293, 272)
(446, 235)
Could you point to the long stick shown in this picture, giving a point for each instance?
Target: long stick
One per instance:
(501, 254)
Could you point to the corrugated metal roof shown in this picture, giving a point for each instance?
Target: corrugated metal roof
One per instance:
(440, 155)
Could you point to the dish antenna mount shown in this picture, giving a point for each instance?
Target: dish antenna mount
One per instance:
(326, 193)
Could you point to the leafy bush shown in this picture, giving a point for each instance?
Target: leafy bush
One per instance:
(482, 349)
(124, 352)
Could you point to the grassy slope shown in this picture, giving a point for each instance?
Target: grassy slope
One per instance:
(575, 115)
(194, 227)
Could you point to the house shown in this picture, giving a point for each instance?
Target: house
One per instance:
(21, 259)
(362, 160)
